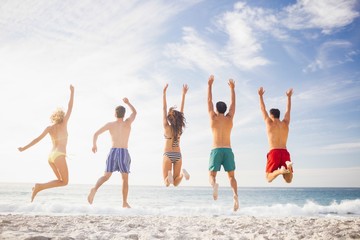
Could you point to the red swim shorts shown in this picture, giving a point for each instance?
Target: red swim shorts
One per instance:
(277, 158)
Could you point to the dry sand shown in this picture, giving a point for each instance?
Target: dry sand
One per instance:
(169, 227)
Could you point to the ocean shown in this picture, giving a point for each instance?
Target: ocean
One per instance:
(181, 201)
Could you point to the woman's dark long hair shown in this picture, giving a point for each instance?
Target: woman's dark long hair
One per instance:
(177, 122)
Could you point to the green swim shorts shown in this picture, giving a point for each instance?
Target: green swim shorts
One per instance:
(221, 156)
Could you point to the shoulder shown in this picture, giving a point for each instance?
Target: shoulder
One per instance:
(268, 121)
(285, 122)
(213, 115)
(229, 116)
(108, 125)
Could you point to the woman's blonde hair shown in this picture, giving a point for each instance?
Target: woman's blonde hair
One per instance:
(57, 116)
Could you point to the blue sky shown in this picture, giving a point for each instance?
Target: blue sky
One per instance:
(114, 49)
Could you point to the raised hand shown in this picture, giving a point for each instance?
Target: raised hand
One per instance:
(211, 80)
(231, 83)
(261, 91)
(289, 92)
(185, 89)
(165, 87)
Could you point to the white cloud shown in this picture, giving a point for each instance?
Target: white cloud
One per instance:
(331, 54)
(195, 51)
(327, 15)
(242, 48)
(334, 91)
(343, 146)
(245, 28)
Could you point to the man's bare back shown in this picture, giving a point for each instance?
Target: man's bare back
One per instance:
(277, 132)
(120, 132)
(221, 128)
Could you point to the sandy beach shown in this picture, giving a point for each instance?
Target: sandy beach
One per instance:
(170, 227)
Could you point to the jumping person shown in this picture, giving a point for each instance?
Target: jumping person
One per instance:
(278, 158)
(57, 158)
(174, 123)
(221, 153)
(119, 157)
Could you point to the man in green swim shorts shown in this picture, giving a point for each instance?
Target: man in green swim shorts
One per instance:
(221, 154)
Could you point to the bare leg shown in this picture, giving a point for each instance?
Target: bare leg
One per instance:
(61, 171)
(98, 184)
(170, 178)
(178, 176)
(271, 176)
(233, 184)
(125, 189)
(185, 174)
(167, 165)
(212, 179)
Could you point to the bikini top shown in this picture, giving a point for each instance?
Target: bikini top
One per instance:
(175, 142)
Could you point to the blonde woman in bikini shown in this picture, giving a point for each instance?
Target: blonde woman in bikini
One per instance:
(59, 135)
(173, 122)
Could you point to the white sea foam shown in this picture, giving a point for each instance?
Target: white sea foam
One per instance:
(191, 201)
(343, 208)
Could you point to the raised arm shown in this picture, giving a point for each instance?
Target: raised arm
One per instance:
(210, 102)
(132, 116)
(288, 106)
(184, 91)
(70, 104)
(165, 122)
(261, 92)
(232, 107)
(96, 135)
(36, 140)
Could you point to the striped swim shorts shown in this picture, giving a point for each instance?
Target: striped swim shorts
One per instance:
(118, 160)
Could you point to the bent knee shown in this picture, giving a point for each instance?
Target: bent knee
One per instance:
(288, 180)
(65, 182)
(269, 179)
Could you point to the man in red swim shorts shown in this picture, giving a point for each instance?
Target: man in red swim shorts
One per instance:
(278, 158)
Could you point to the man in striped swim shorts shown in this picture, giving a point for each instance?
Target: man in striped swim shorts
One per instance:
(119, 158)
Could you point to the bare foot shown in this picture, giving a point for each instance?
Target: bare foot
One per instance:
(170, 178)
(236, 203)
(35, 190)
(91, 195)
(289, 166)
(126, 205)
(186, 174)
(215, 191)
